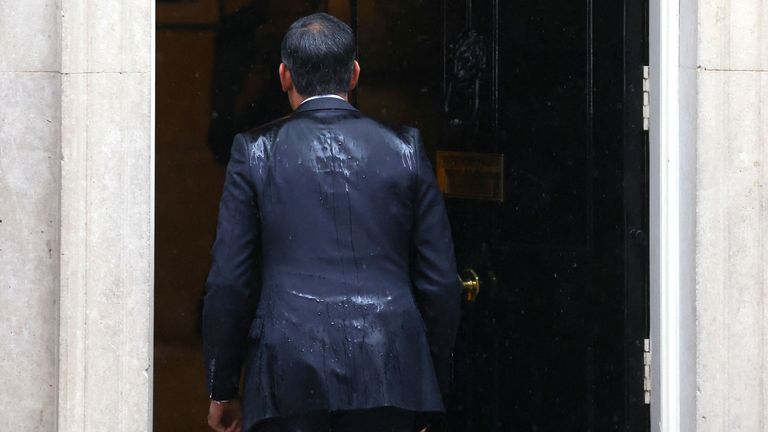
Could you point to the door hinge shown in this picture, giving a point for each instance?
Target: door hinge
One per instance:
(646, 98)
(647, 370)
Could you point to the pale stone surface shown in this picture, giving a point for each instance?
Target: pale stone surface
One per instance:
(687, 224)
(107, 220)
(72, 355)
(29, 35)
(102, 36)
(731, 227)
(733, 34)
(29, 249)
(107, 274)
(105, 371)
(732, 222)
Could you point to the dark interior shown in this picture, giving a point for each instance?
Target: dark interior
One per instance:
(554, 340)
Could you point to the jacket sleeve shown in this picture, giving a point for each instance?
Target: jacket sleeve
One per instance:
(433, 267)
(231, 288)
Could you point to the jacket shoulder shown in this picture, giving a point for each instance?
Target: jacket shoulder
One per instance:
(409, 135)
(267, 130)
(257, 143)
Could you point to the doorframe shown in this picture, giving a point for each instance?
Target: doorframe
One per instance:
(673, 123)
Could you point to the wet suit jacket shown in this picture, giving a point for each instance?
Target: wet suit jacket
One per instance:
(333, 283)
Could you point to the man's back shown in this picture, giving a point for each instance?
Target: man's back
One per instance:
(333, 277)
(337, 203)
(335, 190)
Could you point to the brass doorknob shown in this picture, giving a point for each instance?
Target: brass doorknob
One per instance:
(470, 283)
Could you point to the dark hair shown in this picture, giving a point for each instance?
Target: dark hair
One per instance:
(319, 50)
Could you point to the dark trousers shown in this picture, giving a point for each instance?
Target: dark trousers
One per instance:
(371, 420)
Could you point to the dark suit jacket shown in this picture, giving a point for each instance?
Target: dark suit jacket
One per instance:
(333, 274)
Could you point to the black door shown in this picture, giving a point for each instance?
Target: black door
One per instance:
(534, 113)
(533, 110)
(554, 340)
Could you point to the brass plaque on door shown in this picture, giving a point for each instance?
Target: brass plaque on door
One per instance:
(471, 175)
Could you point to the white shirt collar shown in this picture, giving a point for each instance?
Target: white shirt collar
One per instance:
(321, 96)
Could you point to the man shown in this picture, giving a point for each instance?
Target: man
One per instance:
(333, 277)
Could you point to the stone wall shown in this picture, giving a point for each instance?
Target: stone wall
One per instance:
(732, 216)
(107, 221)
(30, 92)
(76, 212)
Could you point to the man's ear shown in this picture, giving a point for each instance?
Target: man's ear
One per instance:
(286, 82)
(355, 76)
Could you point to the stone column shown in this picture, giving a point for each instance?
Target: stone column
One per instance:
(107, 195)
(30, 90)
(732, 216)
(76, 214)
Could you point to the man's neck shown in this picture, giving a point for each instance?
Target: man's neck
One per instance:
(330, 95)
(301, 99)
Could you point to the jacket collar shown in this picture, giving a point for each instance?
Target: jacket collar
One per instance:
(325, 103)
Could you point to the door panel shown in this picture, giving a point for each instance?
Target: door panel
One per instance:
(554, 340)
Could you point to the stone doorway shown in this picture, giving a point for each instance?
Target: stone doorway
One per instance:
(229, 85)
